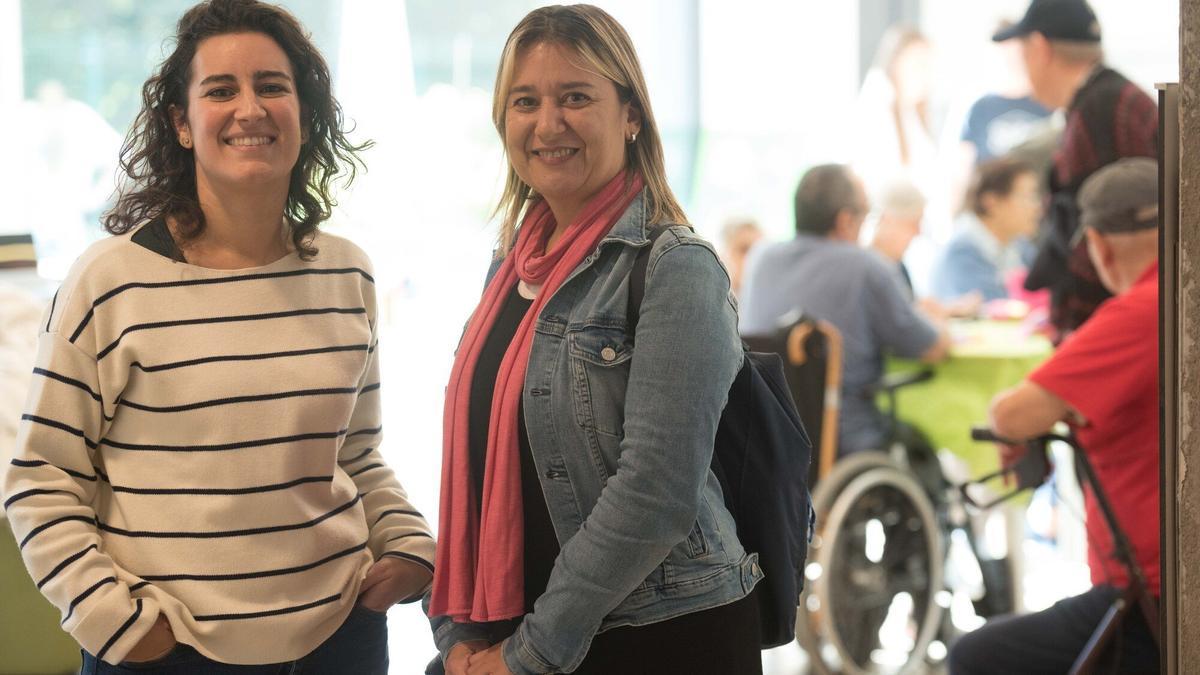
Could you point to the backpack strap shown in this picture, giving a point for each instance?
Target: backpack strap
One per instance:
(637, 278)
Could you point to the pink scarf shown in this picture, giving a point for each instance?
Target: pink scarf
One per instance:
(480, 573)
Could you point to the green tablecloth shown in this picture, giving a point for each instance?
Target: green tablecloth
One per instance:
(31, 643)
(986, 357)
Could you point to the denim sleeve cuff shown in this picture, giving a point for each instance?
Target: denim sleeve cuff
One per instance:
(450, 633)
(520, 659)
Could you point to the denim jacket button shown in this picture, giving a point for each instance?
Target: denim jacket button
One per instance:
(608, 353)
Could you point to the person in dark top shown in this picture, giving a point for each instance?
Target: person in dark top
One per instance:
(1108, 118)
(581, 527)
(996, 123)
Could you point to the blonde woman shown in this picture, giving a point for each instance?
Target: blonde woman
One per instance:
(581, 528)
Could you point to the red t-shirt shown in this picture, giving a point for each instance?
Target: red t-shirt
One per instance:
(1108, 372)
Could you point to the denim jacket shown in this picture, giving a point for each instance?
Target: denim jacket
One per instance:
(621, 432)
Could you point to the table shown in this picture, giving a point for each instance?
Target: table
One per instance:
(985, 357)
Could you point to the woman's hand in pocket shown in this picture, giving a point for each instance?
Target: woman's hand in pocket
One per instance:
(155, 644)
(391, 580)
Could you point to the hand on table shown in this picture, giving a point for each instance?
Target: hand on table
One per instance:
(965, 306)
(155, 644)
(487, 662)
(391, 580)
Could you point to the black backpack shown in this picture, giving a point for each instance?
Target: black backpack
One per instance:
(761, 457)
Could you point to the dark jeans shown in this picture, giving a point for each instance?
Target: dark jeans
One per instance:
(719, 641)
(1049, 641)
(359, 646)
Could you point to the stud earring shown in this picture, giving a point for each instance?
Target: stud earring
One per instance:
(185, 141)
(633, 137)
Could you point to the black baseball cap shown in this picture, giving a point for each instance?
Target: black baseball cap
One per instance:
(1057, 20)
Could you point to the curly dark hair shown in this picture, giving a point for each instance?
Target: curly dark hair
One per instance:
(162, 173)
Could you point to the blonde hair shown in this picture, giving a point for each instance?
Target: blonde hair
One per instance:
(604, 48)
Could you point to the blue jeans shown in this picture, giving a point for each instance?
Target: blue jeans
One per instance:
(359, 646)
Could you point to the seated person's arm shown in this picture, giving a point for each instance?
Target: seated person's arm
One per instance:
(1026, 411)
(898, 325)
(940, 349)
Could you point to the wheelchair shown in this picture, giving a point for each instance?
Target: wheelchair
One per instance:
(876, 588)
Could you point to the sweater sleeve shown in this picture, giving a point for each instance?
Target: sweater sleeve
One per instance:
(48, 494)
(396, 527)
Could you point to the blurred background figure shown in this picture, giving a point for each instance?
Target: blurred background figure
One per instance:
(999, 121)
(901, 210)
(67, 153)
(1108, 118)
(825, 274)
(891, 134)
(21, 306)
(738, 236)
(1003, 209)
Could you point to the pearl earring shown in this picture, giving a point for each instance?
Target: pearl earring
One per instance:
(633, 137)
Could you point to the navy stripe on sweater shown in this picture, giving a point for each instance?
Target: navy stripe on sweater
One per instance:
(63, 565)
(366, 469)
(53, 302)
(221, 534)
(224, 446)
(57, 521)
(137, 611)
(410, 557)
(361, 455)
(33, 463)
(253, 489)
(251, 398)
(402, 512)
(201, 282)
(255, 575)
(46, 421)
(32, 493)
(248, 357)
(67, 380)
(84, 596)
(226, 319)
(363, 432)
(269, 612)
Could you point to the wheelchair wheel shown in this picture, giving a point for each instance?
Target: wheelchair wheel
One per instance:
(875, 568)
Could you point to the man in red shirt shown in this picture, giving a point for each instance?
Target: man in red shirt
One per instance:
(1102, 381)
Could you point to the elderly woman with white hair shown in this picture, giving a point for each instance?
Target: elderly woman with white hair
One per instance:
(901, 210)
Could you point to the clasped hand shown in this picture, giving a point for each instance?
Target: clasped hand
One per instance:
(475, 657)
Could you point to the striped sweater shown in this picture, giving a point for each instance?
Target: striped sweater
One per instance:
(203, 444)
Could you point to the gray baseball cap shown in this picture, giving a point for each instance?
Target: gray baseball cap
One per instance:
(1121, 197)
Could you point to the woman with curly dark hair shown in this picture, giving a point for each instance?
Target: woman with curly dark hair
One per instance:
(197, 484)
